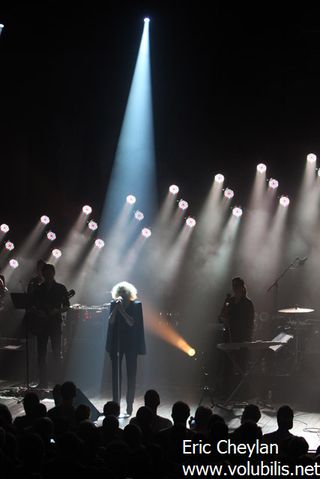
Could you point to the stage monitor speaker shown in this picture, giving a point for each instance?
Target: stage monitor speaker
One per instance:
(81, 398)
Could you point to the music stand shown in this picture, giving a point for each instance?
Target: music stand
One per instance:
(207, 391)
(23, 301)
(261, 347)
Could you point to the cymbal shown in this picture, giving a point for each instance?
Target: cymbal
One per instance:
(295, 310)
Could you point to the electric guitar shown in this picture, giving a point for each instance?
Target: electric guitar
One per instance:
(39, 318)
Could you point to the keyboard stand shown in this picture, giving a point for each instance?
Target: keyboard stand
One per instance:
(228, 404)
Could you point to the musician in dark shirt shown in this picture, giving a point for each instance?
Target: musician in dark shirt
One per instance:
(125, 337)
(238, 314)
(50, 300)
(3, 290)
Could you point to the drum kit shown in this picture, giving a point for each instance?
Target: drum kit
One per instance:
(301, 326)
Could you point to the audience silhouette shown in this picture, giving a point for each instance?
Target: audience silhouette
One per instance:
(64, 441)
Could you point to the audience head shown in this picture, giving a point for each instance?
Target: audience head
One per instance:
(110, 425)
(251, 413)
(68, 391)
(30, 403)
(132, 435)
(180, 412)
(111, 408)
(44, 427)
(202, 417)
(5, 416)
(152, 399)
(285, 417)
(297, 446)
(249, 432)
(145, 417)
(82, 413)
(56, 394)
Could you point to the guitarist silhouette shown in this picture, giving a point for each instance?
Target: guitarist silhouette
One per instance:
(50, 299)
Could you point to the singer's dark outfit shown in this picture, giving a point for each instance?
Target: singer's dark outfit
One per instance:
(129, 341)
(47, 298)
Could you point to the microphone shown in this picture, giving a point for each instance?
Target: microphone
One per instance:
(301, 261)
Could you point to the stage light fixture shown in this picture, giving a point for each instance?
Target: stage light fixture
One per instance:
(191, 352)
(219, 178)
(131, 199)
(99, 243)
(87, 210)
(183, 205)
(236, 211)
(146, 20)
(4, 228)
(92, 225)
(311, 158)
(14, 263)
(261, 168)
(51, 236)
(174, 189)
(273, 183)
(228, 193)
(191, 222)
(146, 232)
(284, 201)
(45, 220)
(56, 253)
(9, 245)
(139, 215)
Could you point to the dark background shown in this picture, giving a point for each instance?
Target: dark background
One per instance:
(234, 84)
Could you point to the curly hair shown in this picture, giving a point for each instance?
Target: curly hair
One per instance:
(128, 288)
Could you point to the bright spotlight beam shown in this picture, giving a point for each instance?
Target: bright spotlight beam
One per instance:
(134, 165)
(165, 331)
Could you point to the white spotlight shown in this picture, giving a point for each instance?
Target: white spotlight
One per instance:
(9, 245)
(219, 178)
(311, 158)
(284, 201)
(87, 209)
(183, 205)
(4, 228)
(146, 232)
(131, 199)
(139, 215)
(174, 189)
(51, 236)
(99, 243)
(92, 225)
(237, 212)
(261, 168)
(191, 222)
(14, 263)
(45, 220)
(273, 183)
(56, 253)
(228, 193)
(146, 20)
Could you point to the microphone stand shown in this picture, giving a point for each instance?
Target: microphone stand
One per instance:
(275, 284)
